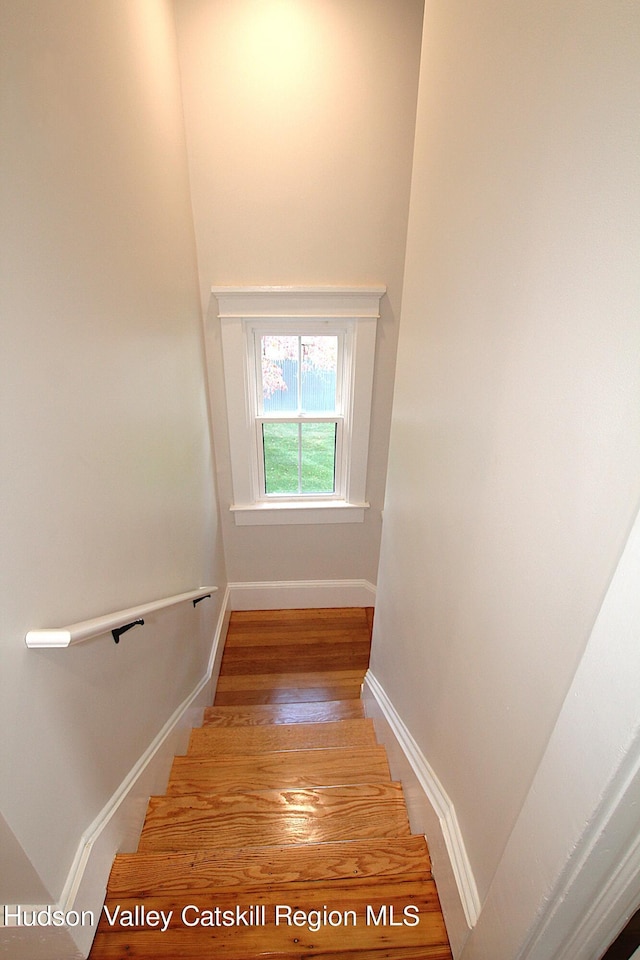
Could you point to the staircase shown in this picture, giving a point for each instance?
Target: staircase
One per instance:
(281, 833)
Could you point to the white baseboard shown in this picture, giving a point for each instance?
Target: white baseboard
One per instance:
(301, 594)
(117, 827)
(430, 812)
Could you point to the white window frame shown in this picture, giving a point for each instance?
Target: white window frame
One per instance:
(344, 331)
(247, 312)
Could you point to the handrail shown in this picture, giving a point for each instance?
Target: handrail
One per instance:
(86, 629)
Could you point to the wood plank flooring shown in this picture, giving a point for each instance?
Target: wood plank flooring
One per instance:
(281, 834)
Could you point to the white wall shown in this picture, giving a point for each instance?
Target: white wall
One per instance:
(569, 877)
(515, 451)
(107, 479)
(300, 118)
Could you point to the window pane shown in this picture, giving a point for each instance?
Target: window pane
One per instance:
(286, 388)
(318, 457)
(280, 442)
(299, 458)
(279, 361)
(319, 368)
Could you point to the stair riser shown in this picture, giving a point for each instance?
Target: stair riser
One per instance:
(277, 659)
(218, 742)
(228, 695)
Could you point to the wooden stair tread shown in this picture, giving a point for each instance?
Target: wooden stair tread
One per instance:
(261, 713)
(146, 874)
(238, 942)
(234, 741)
(116, 945)
(307, 686)
(273, 817)
(112, 945)
(294, 768)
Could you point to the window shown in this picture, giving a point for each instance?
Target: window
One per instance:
(298, 368)
(299, 421)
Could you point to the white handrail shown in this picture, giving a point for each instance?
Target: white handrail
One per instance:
(85, 629)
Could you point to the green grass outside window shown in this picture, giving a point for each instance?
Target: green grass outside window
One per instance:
(299, 458)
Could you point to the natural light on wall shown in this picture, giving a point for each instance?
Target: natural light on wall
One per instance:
(151, 26)
(277, 48)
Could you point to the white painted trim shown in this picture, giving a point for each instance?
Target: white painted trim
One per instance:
(301, 594)
(283, 301)
(601, 923)
(292, 511)
(439, 800)
(86, 629)
(117, 826)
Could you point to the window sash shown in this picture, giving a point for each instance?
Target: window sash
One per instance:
(328, 328)
(319, 328)
(339, 471)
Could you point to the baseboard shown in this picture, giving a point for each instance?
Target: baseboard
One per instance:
(430, 812)
(117, 827)
(301, 594)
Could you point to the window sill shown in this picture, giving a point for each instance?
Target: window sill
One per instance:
(295, 511)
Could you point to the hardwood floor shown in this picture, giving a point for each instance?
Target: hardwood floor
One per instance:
(281, 834)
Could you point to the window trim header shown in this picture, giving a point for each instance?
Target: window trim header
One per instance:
(294, 302)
